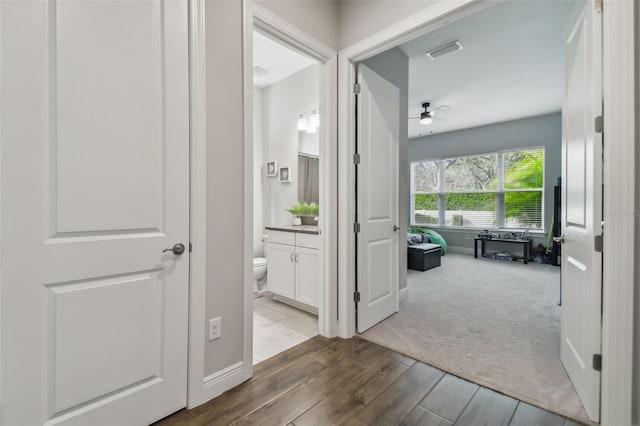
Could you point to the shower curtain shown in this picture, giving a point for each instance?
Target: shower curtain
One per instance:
(308, 179)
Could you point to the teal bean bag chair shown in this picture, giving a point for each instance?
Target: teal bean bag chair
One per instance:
(433, 236)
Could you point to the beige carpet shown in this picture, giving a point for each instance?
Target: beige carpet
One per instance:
(495, 323)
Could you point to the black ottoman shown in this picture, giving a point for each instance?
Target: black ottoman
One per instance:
(422, 257)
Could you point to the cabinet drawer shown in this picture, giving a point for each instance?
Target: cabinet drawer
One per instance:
(280, 237)
(308, 240)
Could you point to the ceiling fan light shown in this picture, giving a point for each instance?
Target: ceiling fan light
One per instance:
(425, 118)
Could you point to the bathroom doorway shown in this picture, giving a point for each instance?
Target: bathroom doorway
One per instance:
(287, 248)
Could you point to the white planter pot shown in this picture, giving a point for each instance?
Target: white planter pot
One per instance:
(297, 221)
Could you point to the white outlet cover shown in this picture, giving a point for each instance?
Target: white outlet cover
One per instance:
(215, 328)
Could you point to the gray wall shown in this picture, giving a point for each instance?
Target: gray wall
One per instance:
(317, 18)
(225, 227)
(393, 65)
(360, 19)
(544, 130)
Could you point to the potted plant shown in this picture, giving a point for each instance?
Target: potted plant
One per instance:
(295, 210)
(309, 213)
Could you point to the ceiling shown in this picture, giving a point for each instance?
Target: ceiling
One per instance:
(275, 61)
(511, 66)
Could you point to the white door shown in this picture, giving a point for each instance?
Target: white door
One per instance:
(377, 198)
(281, 270)
(308, 273)
(582, 210)
(94, 155)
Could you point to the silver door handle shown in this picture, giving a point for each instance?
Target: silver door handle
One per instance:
(559, 239)
(177, 249)
(295, 257)
(291, 257)
(396, 228)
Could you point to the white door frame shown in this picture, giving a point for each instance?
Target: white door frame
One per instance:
(198, 204)
(257, 17)
(619, 149)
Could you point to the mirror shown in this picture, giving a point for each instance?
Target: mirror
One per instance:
(309, 157)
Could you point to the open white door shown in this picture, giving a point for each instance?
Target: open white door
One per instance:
(94, 132)
(377, 198)
(582, 209)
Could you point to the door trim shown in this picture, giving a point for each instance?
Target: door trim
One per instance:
(620, 71)
(198, 208)
(255, 16)
(620, 252)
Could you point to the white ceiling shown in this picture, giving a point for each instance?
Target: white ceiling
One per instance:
(511, 66)
(278, 60)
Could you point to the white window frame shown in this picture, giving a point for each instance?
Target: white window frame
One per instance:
(500, 191)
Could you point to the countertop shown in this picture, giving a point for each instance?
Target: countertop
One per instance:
(302, 229)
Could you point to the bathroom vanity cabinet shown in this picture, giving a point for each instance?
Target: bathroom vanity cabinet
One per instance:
(294, 269)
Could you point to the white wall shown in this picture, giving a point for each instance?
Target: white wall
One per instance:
(393, 65)
(258, 172)
(283, 102)
(544, 130)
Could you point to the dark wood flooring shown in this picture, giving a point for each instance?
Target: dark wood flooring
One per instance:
(356, 382)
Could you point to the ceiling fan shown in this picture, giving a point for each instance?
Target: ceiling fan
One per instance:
(426, 116)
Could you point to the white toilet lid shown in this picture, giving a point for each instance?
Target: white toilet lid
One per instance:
(259, 261)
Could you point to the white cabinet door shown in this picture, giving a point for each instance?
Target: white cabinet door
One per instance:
(280, 270)
(94, 126)
(307, 275)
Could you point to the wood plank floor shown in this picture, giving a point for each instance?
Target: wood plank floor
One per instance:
(356, 382)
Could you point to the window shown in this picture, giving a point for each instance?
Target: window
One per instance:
(494, 190)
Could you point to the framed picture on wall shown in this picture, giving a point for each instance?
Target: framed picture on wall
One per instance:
(272, 168)
(285, 174)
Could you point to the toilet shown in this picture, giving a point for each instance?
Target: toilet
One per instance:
(259, 273)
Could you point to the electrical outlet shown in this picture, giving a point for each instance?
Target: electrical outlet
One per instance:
(215, 328)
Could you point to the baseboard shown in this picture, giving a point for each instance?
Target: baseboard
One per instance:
(223, 380)
(460, 250)
(404, 294)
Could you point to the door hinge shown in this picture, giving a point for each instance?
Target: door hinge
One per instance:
(356, 296)
(598, 6)
(357, 88)
(356, 227)
(356, 158)
(598, 124)
(598, 243)
(190, 247)
(597, 362)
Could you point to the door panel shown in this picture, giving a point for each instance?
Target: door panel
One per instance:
(95, 185)
(582, 210)
(308, 275)
(281, 274)
(123, 70)
(377, 241)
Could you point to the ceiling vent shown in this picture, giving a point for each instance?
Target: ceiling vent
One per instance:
(260, 71)
(445, 50)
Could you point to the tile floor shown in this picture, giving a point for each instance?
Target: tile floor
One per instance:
(278, 327)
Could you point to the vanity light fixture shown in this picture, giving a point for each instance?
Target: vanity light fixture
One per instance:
(309, 122)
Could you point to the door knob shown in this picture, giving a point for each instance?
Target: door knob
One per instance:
(177, 249)
(396, 228)
(559, 239)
